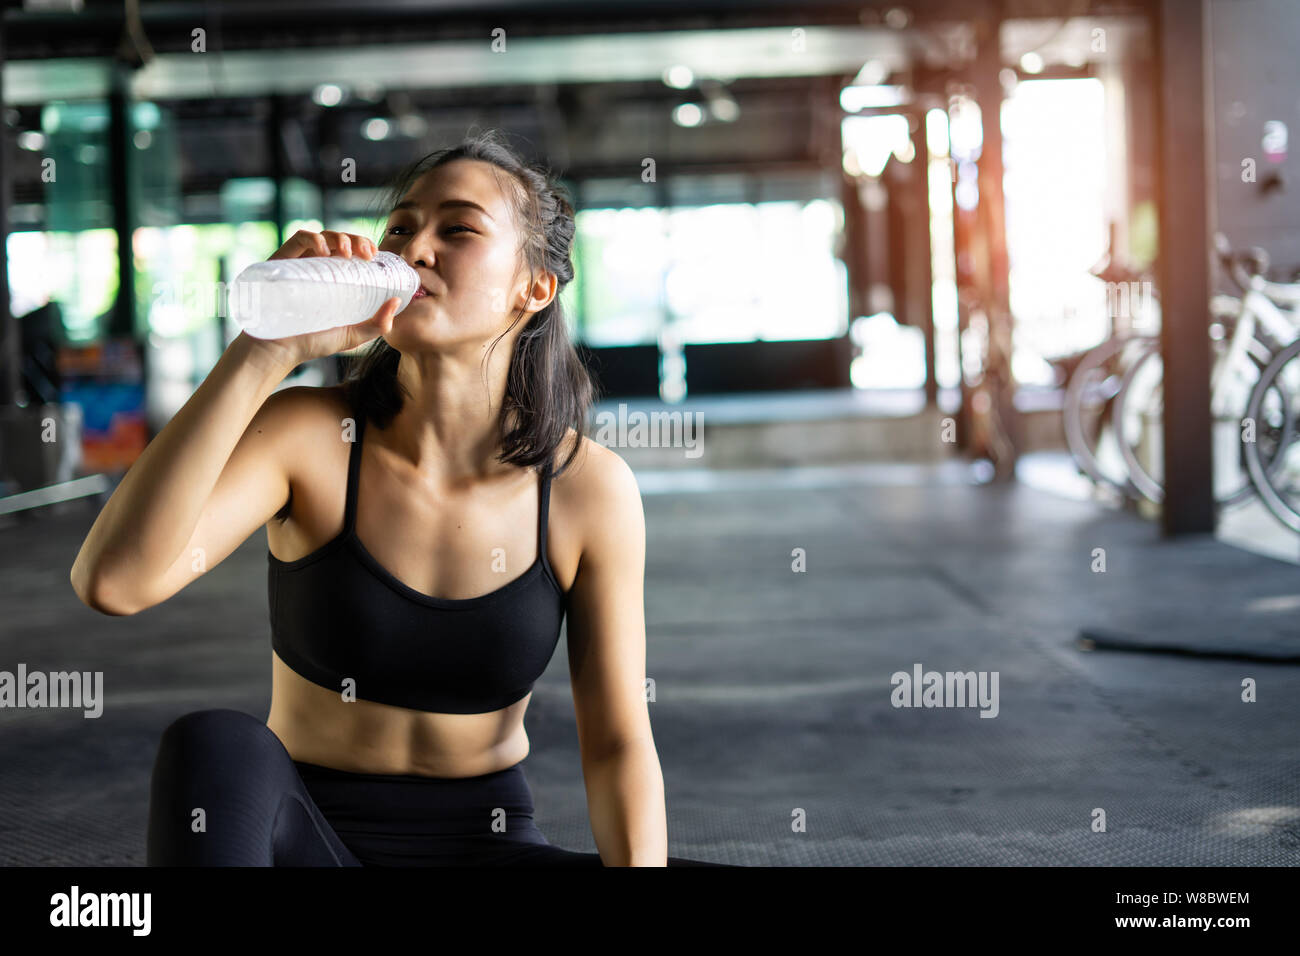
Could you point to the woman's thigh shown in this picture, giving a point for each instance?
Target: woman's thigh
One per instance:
(225, 792)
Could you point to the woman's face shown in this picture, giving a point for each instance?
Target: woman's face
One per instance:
(468, 259)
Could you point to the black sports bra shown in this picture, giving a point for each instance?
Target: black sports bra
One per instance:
(338, 614)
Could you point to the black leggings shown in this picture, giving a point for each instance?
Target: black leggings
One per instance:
(225, 792)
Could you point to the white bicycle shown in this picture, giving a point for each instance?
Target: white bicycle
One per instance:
(1272, 456)
(1267, 320)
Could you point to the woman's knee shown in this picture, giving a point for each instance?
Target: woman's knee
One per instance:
(217, 780)
(207, 734)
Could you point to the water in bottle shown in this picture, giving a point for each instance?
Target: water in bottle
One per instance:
(284, 297)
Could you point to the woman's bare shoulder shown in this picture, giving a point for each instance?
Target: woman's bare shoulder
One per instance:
(597, 501)
(302, 414)
(596, 471)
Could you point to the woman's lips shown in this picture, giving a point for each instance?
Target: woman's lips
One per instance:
(420, 293)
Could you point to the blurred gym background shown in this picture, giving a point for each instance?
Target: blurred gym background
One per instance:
(865, 242)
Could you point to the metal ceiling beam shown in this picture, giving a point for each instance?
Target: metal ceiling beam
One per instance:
(720, 54)
(269, 24)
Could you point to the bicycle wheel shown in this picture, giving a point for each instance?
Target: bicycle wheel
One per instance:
(1272, 459)
(1138, 412)
(1085, 413)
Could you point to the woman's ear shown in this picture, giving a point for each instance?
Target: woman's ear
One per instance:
(543, 292)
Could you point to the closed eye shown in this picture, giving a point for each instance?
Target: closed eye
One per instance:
(392, 231)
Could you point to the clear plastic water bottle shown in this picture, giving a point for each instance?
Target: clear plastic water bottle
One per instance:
(283, 297)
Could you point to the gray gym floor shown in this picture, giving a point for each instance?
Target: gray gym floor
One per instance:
(773, 687)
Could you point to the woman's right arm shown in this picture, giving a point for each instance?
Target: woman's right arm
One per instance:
(163, 525)
(221, 467)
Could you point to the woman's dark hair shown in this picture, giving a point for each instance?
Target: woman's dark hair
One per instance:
(548, 389)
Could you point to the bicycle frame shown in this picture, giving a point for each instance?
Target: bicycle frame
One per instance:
(1265, 321)
(1238, 362)
(1257, 306)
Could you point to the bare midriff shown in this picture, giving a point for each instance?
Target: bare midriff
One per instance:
(317, 725)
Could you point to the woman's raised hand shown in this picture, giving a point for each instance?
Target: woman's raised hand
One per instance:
(295, 349)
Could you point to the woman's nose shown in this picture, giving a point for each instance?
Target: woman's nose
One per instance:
(419, 251)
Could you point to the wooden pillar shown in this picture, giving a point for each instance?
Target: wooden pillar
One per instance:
(1183, 264)
(1002, 423)
(10, 337)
